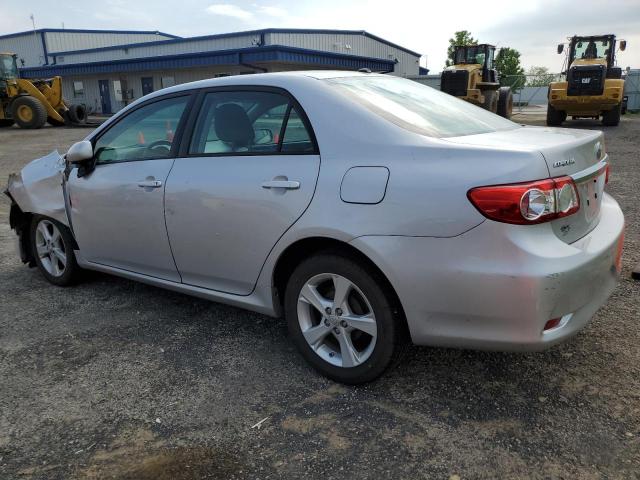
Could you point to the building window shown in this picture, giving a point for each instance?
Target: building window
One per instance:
(78, 89)
(168, 82)
(59, 59)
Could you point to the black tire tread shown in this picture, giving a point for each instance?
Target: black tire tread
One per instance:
(505, 98)
(611, 118)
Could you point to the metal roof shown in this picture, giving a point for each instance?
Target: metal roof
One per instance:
(82, 30)
(247, 32)
(270, 53)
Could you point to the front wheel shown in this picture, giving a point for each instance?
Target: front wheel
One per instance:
(52, 247)
(555, 117)
(505, 102)
(341, 318)
(28, 112)
(490, 100)
(611, 118)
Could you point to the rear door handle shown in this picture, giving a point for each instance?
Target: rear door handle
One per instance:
(150, 184)
(288, 184)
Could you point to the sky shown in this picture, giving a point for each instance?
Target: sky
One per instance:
(533, 27)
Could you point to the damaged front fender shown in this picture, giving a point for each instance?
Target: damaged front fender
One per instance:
(39, 188)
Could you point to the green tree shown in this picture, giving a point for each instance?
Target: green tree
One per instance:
(463, 37)
(539, 77)
(507, 64)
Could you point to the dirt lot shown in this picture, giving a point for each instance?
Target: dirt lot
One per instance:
(113, 379)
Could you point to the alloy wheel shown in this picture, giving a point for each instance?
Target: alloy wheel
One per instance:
(337, 320)
(50, 248)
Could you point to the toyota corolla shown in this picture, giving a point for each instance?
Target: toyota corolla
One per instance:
(366, 209)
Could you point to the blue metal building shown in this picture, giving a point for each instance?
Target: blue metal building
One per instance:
(108, 69)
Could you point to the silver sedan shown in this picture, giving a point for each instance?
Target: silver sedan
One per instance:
(367, 209)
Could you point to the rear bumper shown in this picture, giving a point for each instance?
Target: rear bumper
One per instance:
(496, 286)
(585, 104)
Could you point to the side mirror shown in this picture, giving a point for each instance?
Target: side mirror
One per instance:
(623, 45)
(560, 47)
(263, 136)
(80, 152)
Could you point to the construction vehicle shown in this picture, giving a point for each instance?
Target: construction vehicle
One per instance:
(593, 85)
(473, 78)
(32, 103)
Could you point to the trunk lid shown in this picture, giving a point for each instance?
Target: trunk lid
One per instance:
(576, 153)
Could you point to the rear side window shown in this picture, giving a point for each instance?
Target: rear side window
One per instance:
(144, 134)
(419, 108)
(296, 136)
(247, 122)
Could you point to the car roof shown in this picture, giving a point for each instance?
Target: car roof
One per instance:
(280, 79)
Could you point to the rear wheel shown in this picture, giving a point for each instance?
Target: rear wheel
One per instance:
(505, 102)
(341, 318)
(490, 100)
(28, 112)
(611, 118)
(555, 117)
(6, 123)
(52, 247)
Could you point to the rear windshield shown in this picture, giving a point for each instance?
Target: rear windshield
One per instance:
(419, 108)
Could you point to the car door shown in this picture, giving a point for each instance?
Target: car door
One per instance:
(117, 209)
(247, 174)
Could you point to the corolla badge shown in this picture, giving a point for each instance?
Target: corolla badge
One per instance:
(564, 163)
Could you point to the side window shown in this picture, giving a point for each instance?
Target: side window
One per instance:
(248, 122)
(239, 122)
(296, 137)
(147, 133)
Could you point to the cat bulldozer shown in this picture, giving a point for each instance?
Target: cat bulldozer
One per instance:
(593, 86)
(32, 103)
(473, 78)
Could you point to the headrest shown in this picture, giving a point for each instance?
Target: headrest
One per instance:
(233, 125)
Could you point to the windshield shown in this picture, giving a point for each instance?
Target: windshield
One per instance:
(470, 55)
(418, 108)
(591, 49)
(8, 67)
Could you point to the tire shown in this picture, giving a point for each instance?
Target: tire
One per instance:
(77, 113)
(46, 251)
(55, 123)
(371, 353)
(28, 112)
(505, 102)
(490, 100)
(555, 117)
(611, 118)
(6, 123)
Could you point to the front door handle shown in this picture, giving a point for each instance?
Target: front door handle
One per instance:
(288, 184)
(150, 184)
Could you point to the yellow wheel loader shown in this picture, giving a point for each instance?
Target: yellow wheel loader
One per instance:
(32, 103)
(473, 78)
(593, 85)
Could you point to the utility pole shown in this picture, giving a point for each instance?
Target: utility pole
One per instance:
(33, 21)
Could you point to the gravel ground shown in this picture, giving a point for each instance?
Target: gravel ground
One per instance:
(113, 379)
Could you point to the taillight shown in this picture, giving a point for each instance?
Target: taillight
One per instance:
(607, 171)
(527, 203)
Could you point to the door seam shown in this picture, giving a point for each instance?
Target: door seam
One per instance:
(164, 217)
